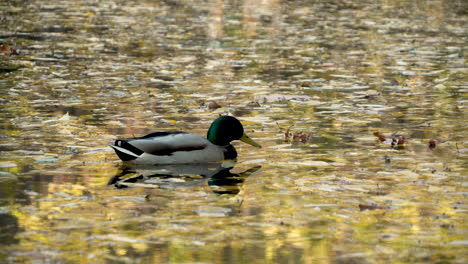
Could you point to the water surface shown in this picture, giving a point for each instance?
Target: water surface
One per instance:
(312, 81)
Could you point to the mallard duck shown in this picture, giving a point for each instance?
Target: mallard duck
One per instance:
(179, 147)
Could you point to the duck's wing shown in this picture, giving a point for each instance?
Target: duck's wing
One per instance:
(160, 144)
(165, 143)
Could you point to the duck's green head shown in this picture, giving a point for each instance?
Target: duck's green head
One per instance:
(226, 129)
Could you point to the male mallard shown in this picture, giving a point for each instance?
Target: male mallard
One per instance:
(179, 147)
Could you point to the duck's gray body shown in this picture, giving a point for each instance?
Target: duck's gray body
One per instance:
(171, 147)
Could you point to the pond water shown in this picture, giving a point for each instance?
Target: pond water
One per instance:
(360, 107)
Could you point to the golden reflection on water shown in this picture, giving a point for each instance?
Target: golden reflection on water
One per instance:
(312, 81)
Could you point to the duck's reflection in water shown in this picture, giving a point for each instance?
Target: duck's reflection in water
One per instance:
(218, 176)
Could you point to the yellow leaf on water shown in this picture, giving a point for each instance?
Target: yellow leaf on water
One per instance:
(65, 117)
(170, 121)
(249, 123)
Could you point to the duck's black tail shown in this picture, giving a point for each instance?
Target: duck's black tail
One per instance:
(125, 150)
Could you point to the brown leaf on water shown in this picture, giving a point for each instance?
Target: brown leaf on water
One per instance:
(297, 136)
(7, 51)
(432, 144)
(37, 83)
(149, 197)
(287, 135)
(398, 142)
(302, 137)
(253, 104)
(363, 207)
(380, 136)
(213, 105)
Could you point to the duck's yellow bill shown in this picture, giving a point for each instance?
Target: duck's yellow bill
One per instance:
(249, 141)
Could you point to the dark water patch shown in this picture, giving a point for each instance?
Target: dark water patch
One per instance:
(24, 35)
(54, 29)
(9, 68)
(159, 85)
(9, 227)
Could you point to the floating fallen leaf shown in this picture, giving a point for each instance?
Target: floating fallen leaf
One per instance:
(297, 136)
(213, 105)
(301, 137)
(363, 207)
(432, 144)
(65, 117)
(7, 51)
(380, 136)
(37, 83)
(398, 142)
(287, 135)
(253, 104)
(168, 121)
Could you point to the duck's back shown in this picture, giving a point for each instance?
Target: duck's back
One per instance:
(169, 147)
